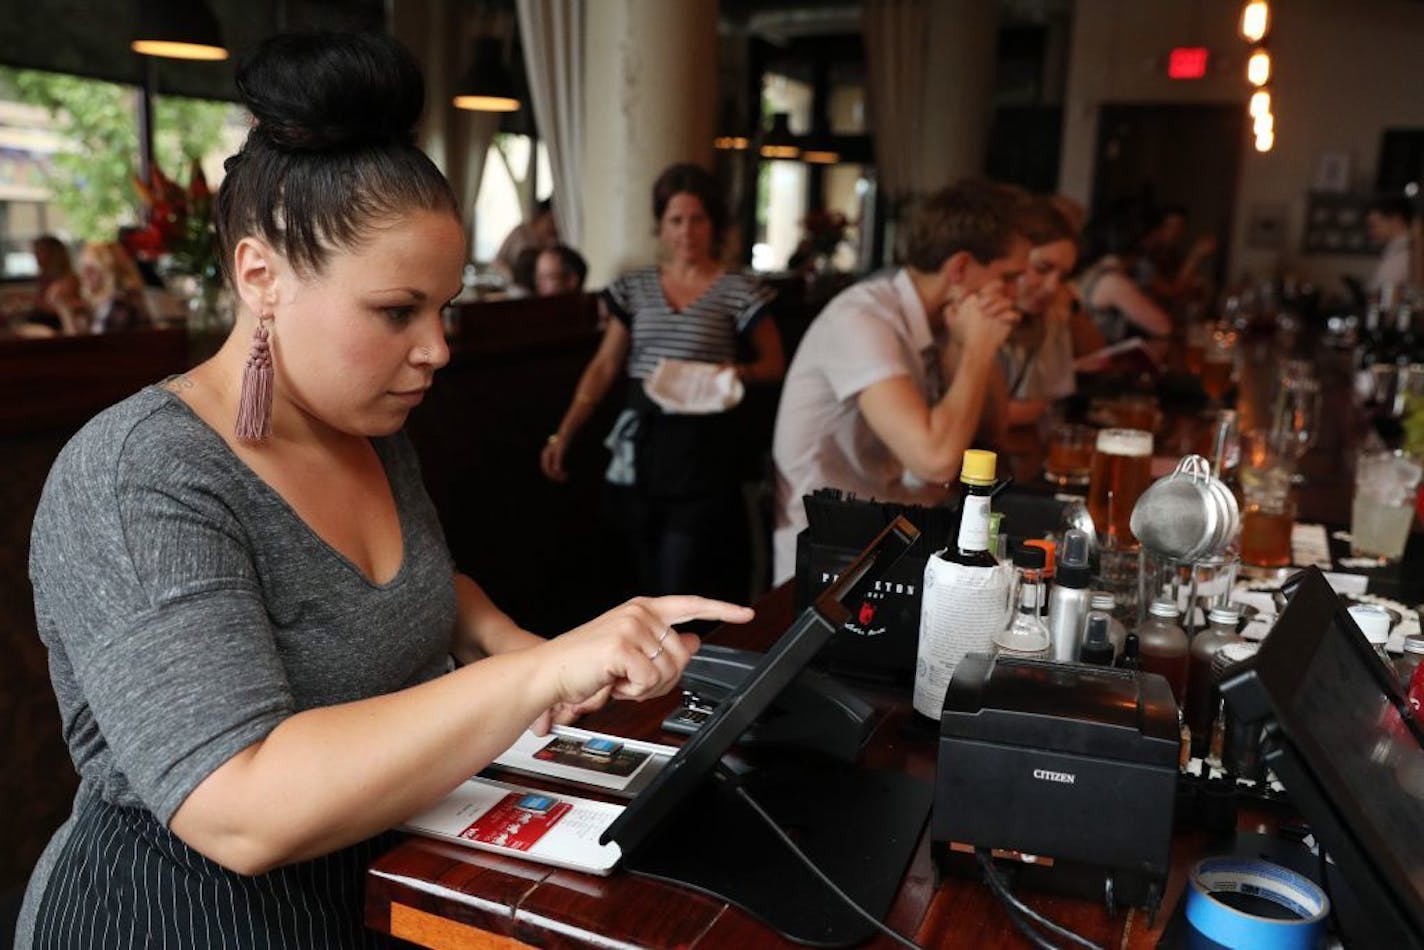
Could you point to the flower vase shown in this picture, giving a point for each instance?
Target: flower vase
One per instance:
(209, 308)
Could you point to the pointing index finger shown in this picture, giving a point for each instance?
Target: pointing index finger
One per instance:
(680, 608)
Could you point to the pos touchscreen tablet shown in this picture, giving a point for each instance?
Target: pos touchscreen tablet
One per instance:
(787, 657)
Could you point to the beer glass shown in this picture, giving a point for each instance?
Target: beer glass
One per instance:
(1135, 411)
(1218, 363)
(1120, 473)
(1268, 512)
(1194, 352)
(1295, 419)
(1070, 454)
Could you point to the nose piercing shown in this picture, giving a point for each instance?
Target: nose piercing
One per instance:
(424, 352)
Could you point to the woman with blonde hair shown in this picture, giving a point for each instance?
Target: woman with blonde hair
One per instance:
(111, 288)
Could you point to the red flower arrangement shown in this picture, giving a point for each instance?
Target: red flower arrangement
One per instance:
(825, 230)
(180, 224)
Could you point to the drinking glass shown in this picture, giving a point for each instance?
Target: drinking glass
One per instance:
(1121, 471)
(1268, 513)
(1295, 420)
(1194, 586)
(1135, 411)
(1382, 511)
(1194, 355)
(1218, 363)
(1070, 454)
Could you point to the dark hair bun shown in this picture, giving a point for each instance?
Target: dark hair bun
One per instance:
(324, 91)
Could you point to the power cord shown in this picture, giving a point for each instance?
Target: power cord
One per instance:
(1018, 909)
(820, 875)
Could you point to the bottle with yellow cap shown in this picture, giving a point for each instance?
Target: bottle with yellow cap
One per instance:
(965, 597)
(977, 476)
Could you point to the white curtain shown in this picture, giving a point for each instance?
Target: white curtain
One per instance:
(552, 35)
(896, 52)
(470, 138)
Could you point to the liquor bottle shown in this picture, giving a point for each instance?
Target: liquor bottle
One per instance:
(1129, 660)
(976, 474)
(1045, 576)
(1371, 336)
(1026, 636)
(1162, 646)
(1405, 343)
(1202, 695)
(964, 598)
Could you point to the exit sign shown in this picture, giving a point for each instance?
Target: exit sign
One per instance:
(1187, 62)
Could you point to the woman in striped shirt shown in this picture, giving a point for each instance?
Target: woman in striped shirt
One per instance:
(673, 482)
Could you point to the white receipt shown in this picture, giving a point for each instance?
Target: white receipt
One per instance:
(960, 611)
(1347, 583)
(1309, 545)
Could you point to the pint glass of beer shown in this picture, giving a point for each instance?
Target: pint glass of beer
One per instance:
(1121, 472)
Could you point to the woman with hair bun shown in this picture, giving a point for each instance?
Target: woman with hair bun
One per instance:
(673, 482)
(247, 599)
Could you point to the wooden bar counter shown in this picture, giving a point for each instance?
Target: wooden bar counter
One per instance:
(441, 895)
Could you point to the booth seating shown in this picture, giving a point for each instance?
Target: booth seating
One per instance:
(542, 551)
(48, 389)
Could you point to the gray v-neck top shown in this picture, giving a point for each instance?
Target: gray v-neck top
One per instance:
(188, 609)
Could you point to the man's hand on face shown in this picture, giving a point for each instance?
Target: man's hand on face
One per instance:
(982, 321)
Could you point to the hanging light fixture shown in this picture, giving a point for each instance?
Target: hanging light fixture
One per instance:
(1255, 24)
(778, 142)
(819, 150)
(487, 86)
(178, 29)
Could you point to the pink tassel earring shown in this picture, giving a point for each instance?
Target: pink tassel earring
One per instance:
(254, 402)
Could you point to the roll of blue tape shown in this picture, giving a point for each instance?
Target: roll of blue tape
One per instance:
(1230, 927)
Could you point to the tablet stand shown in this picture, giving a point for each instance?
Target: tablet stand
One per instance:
(860, 827)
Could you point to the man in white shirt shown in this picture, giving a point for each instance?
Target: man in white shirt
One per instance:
(1388, 222)
(888, 386)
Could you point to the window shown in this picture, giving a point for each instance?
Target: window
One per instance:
(781, 185)
(504, 180)
(69, 155)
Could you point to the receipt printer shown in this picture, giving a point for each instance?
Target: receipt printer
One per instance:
(1064, 771)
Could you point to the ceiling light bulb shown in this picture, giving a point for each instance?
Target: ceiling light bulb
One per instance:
(1264, 124)
(1255, 20)
(1265, 141)
(1260, 102)
(1258, 68)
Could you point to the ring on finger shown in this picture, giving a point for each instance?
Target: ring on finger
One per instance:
(656, 653)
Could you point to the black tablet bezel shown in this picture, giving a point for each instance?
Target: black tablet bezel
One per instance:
(1268, 690)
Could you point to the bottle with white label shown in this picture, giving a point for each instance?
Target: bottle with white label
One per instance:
(965, 599)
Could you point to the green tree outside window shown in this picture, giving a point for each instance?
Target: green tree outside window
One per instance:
(92, 182)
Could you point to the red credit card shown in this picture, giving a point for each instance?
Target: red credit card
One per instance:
(506, 825)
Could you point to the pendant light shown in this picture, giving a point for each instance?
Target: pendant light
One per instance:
(178, 29)
(487, 86)
(778, 142)
(819, 150)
